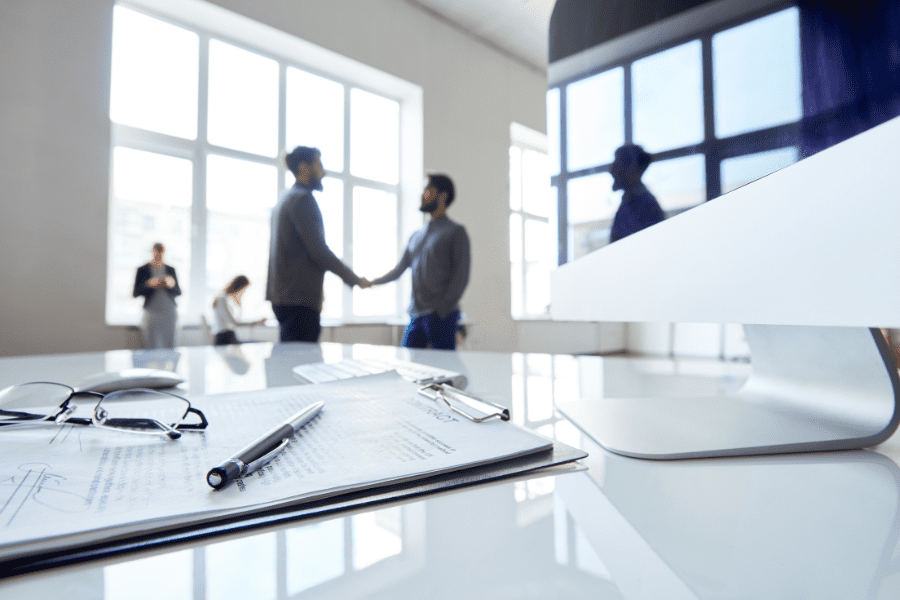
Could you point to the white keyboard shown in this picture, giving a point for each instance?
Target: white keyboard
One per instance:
(321, 372)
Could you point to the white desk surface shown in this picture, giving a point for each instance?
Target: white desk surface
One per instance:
(795, 526)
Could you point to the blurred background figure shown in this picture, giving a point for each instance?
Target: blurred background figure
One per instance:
(639, 208)
(440, 258)
(298, 254)
(227, 307)
(158, 284)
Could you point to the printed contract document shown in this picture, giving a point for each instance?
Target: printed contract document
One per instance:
(67, 486)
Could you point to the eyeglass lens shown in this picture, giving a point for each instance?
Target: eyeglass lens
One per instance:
(39, 400)
(139, 410)
(120, 408)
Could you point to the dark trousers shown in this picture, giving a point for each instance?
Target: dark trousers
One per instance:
(225, 338)
(297, 323)
(431, 330)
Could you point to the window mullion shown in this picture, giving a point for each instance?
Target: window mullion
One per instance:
(282, 121)
(562, 180)
(198, 206)
(347, 310)
(713, 153)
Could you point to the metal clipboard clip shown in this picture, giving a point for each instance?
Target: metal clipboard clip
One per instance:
(451, 396)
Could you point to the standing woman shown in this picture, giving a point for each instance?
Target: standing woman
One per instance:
(157, 283)
(227, 306)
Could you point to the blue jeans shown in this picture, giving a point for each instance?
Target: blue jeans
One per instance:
(431, 330)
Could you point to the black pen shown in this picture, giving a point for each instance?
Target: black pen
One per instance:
(262, 450)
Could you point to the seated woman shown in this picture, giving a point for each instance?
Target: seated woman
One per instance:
(227, 307)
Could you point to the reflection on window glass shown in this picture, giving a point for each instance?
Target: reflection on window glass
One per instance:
(595, 119)
(668, 98)
(243, 100)
(677, 183)
(254, 557)
(154, 90)
(374, 137)
(756, 74)
(140, 579)
(239, 198)
(553, 130)
(744, 169)
(146, 209)
(315, 116)
(374, 249)
(315, 554)
(592, 206)
(376, 536)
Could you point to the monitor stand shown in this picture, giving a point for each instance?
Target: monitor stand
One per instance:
(811, 388)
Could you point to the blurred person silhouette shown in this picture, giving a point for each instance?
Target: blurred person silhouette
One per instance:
(639, 208)
(439, 258)
(298, 254)
(227, 308)
(158, 284)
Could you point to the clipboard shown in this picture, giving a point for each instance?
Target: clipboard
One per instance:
(443, 401)
(553, 461)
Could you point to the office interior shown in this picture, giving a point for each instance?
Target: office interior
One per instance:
(55, 167)
(756, 527)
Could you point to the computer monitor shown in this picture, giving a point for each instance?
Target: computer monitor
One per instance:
(806, 260)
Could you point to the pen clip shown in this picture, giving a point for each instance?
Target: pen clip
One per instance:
(256, 464)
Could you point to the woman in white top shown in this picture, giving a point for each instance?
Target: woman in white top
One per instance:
(227, 307)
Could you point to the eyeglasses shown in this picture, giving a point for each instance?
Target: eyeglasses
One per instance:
(138, 411)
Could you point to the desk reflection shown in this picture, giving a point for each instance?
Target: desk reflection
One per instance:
(791, 526)
(810, 526)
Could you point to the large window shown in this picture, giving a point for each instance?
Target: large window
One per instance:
(716, 111)
(199, 123)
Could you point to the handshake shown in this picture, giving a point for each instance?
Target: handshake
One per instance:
(364, 283)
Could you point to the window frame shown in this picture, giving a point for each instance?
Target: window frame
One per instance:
(286, 50)
(623, 54)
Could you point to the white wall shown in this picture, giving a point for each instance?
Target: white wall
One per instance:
(54, 156)
(54, 147)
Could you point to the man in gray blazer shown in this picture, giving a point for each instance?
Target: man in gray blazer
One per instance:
(298, 254)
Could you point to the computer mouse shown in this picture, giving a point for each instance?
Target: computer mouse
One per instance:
(127, 379)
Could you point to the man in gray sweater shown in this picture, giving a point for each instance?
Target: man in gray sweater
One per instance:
(439, 257)
(298, 254)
